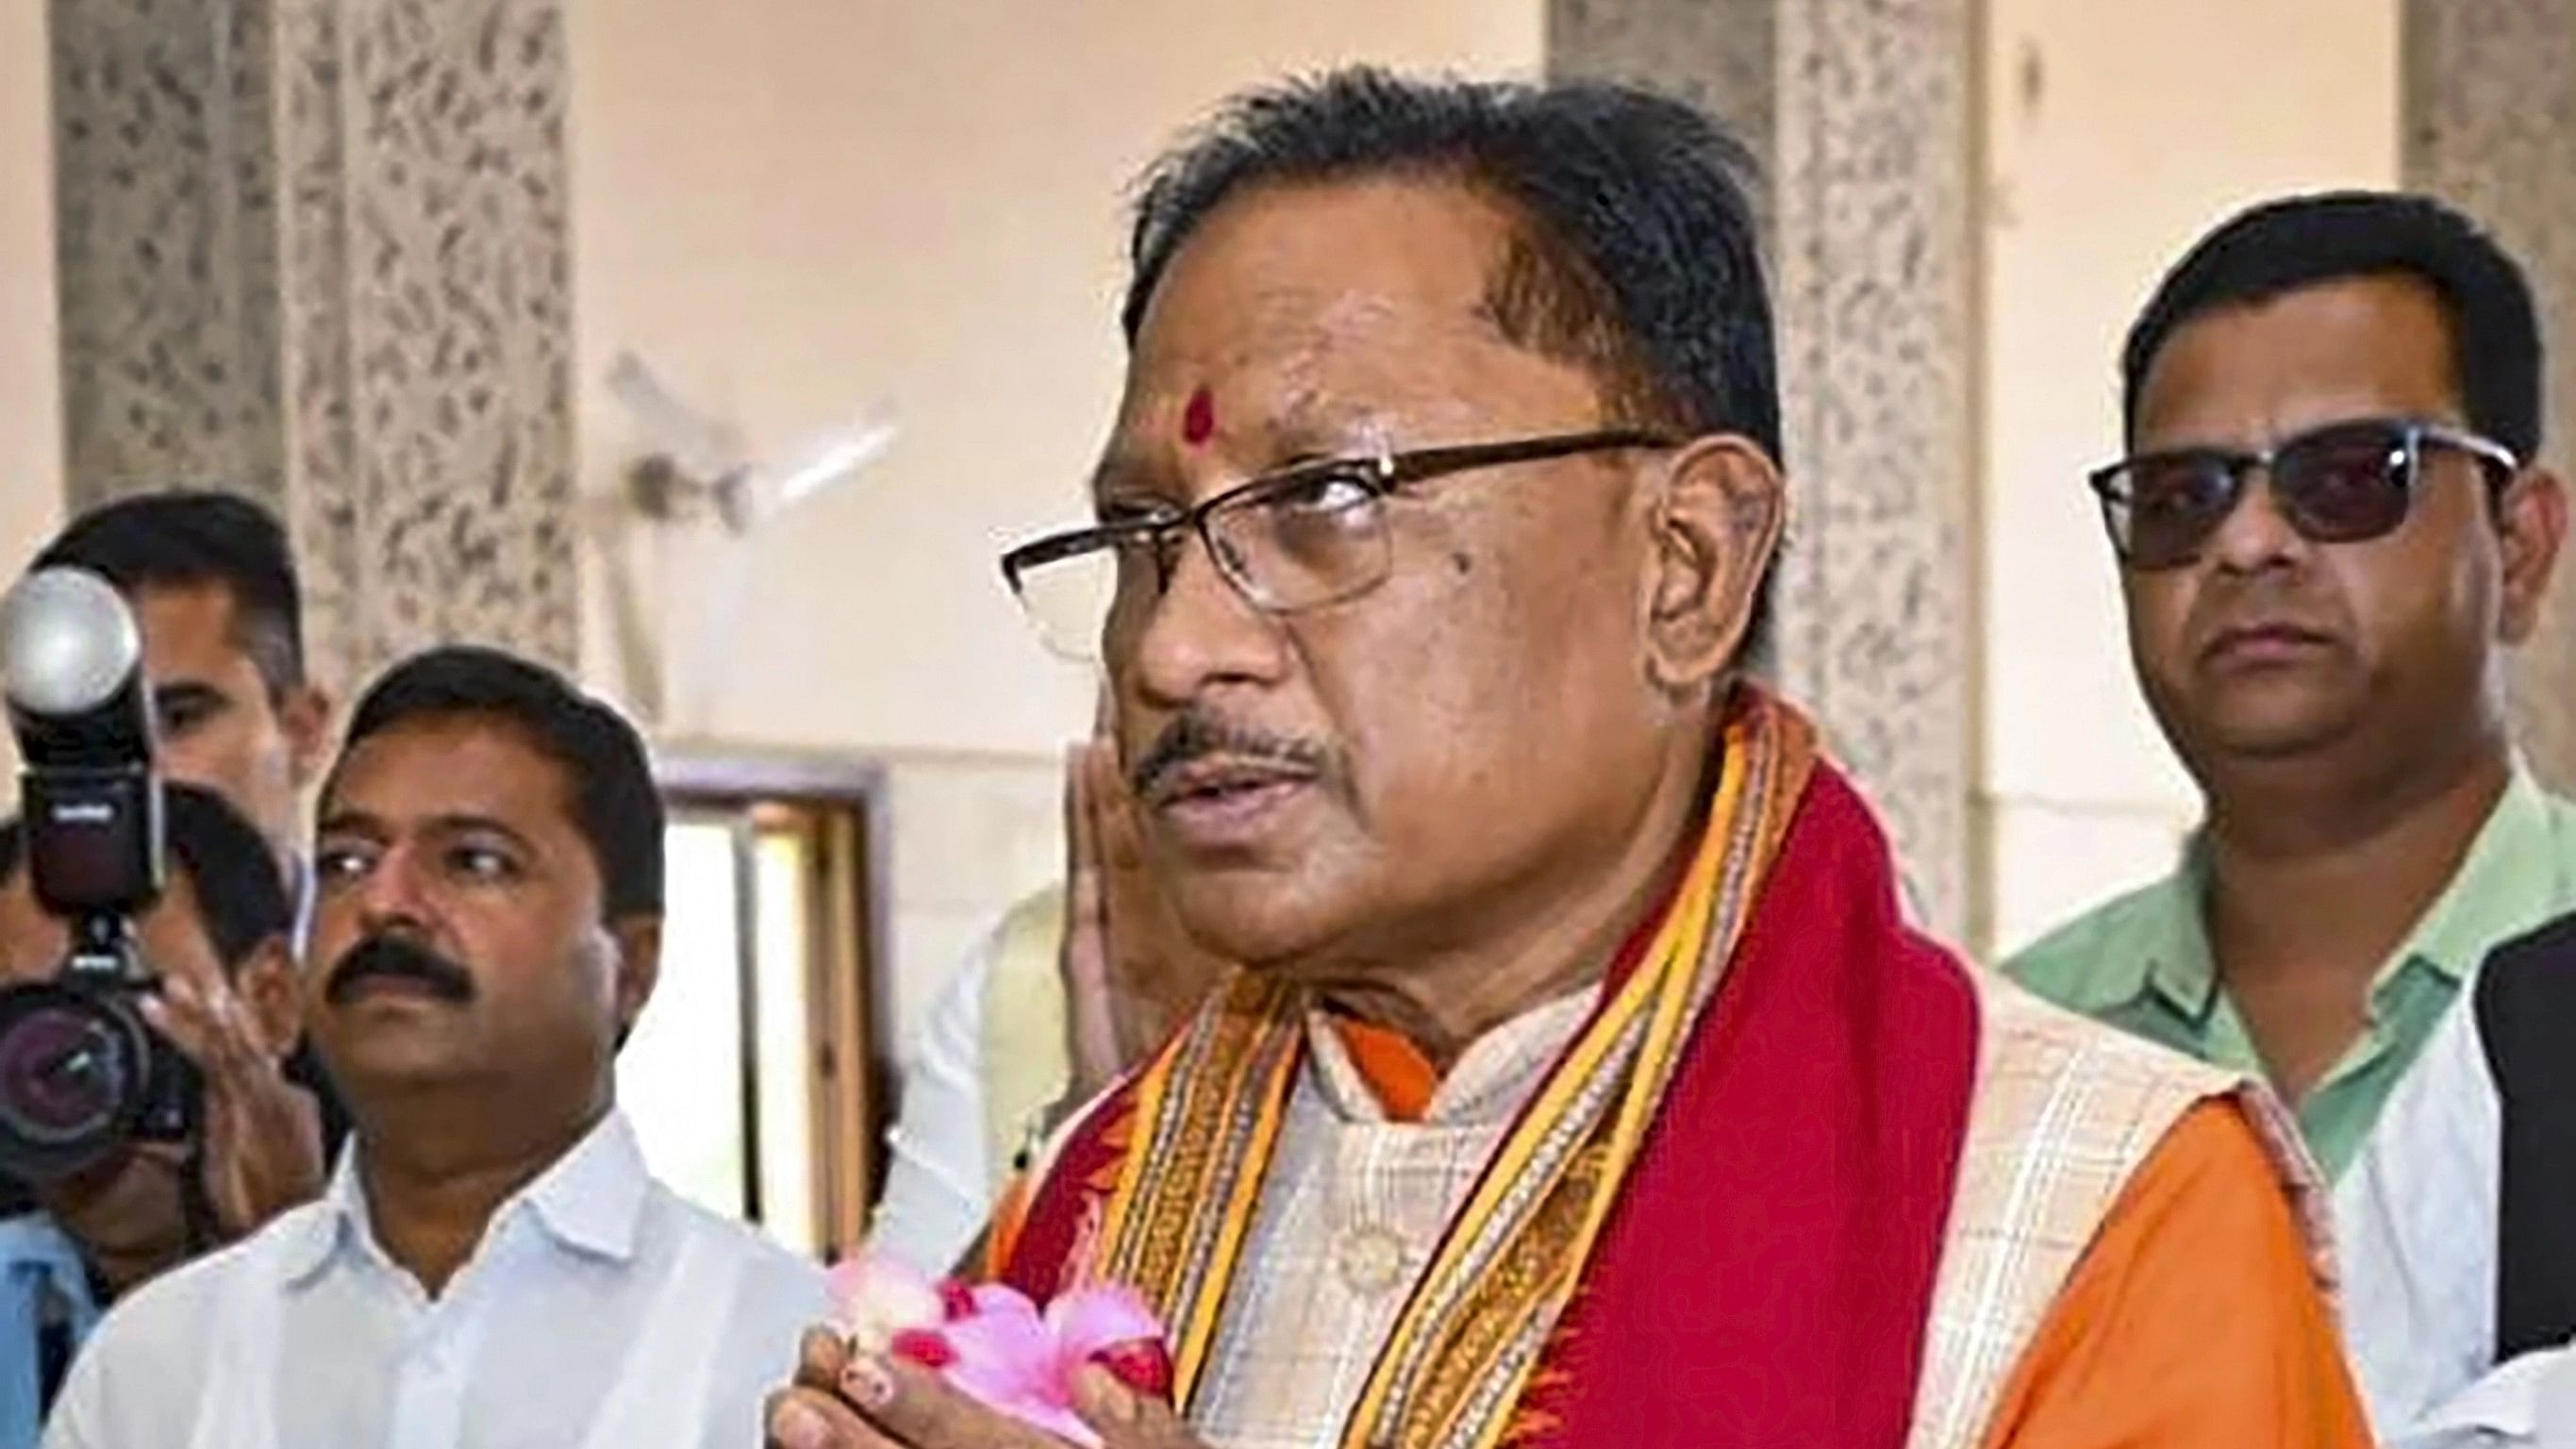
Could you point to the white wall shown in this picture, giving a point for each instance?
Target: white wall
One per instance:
(2116, 133)
(793, 206)
(31, 432)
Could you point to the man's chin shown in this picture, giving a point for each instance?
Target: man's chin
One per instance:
(1256, 919)
(2274, 736)
(2280, 718)
(388, 1054)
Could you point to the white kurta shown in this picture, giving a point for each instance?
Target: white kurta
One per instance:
(1351, 1211)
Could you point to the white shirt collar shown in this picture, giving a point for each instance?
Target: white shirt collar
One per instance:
(590, 1200)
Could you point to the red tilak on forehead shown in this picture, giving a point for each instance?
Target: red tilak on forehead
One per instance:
(1198, 420)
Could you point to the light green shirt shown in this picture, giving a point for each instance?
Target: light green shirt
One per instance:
(2142, 963)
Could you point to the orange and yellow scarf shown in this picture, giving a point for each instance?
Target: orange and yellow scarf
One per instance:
(1159, 1186)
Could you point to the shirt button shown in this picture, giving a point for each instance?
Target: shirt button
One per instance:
(1371, 1259)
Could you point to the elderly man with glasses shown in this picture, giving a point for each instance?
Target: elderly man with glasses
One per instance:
(2328, 532)
(1582, 1083)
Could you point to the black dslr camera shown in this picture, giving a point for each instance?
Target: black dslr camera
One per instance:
(80, 1073)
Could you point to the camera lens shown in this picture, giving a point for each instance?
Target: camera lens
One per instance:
(59, 1072)
(72, 1069)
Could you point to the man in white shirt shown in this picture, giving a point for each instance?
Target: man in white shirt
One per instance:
(491, 1266)
(2455, 1223)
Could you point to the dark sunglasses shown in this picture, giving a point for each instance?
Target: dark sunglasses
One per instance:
(2341, 483)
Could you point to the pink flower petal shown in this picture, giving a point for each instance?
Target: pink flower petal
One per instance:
(1142, 1364)
(1002, 1356)
(1002, 1298)
(876, 1296)
(994, 1345)
(925, 1346)
(1087, 1320)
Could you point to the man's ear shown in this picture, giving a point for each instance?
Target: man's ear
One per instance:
(267, 985)
(307, 715)
(2531, 522)
(638, 943)
(1716, 520)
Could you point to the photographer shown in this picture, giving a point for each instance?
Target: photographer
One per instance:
(217, 937)
(213, 587)
(213, 590)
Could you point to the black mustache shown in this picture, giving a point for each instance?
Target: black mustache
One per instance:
(1194, 736)
(397, 958)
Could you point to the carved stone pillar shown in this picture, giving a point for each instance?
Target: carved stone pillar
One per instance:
(2490, 116)
(316, 251)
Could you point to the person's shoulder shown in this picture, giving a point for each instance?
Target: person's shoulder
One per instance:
(2029, 1033)
(181, 1302)
(2560, 811)
(139, 1376)
(1027, 941)
(776, 1295)
(769, 1273)
(2055, 1085)
(1013, 961)
(2072, 952)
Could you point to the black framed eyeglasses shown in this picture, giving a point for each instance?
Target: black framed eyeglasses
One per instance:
(2345, 482)
(1299, 538)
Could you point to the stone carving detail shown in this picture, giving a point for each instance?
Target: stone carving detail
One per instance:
(430, 396)
(318, 251)
(166, 250)
(2490, 118)
(1862, 118)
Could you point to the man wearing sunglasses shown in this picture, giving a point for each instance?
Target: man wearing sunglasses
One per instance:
(1583, 1084)
(2329, 528)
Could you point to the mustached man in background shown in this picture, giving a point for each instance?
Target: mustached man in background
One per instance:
(491, 1263)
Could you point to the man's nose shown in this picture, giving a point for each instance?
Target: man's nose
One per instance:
(393, 896)
(1202, 631)
(2256, 534)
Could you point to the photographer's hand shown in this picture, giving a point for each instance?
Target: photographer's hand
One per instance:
(263, 1133)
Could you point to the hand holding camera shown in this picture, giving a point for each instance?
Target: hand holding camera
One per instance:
(259, 1135)
(116, 1059)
